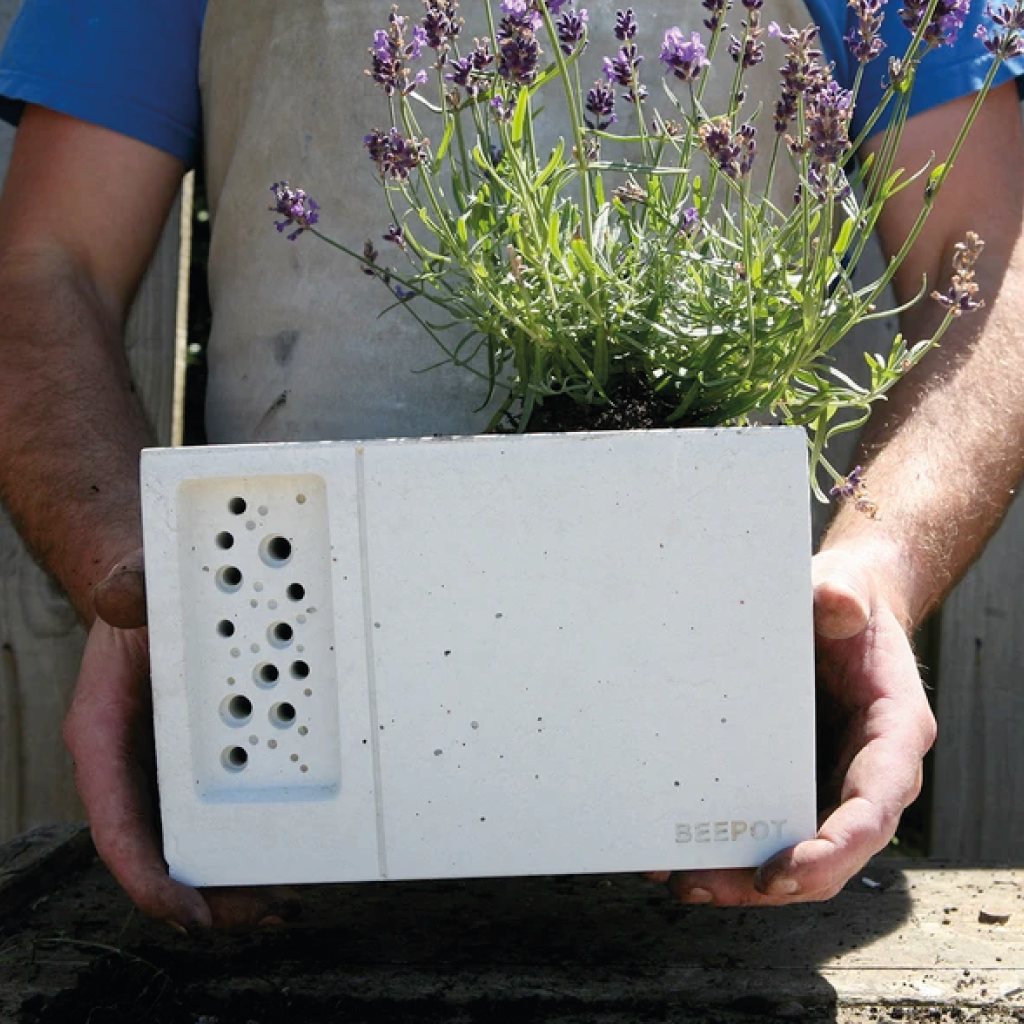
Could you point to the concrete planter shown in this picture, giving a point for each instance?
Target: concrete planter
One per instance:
(481, 656)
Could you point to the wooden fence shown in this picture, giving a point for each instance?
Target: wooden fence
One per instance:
(978, 650)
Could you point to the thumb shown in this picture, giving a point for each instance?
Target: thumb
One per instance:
(120, 598)
(843, 596)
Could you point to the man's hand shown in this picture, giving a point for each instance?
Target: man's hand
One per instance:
(109, 731)
(874, 727)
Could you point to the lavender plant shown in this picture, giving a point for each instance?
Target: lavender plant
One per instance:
(574, 274)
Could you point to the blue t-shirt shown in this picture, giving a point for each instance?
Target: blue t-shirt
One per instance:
(133, 67)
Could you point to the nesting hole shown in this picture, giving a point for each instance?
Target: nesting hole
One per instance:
(225, 628)
(224, 540)
(300, 670)
(229, 579)
(234, 758)
(282, 715)
(280, 634)
(237, 506)
(276, 550)
(266, 674)
(296, 591)
(236, 709)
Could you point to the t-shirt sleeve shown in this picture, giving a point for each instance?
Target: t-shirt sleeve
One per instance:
(946, 73)
(122, 64)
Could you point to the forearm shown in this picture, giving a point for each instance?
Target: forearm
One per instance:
(71, 425)
(943, 456)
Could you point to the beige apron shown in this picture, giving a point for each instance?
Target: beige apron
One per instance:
(297, 350)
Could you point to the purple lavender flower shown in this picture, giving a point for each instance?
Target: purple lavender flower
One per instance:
(750, 49)
(297, 209)
(520, 16)
(555, 6)
(863, 39)
(395, 154)
(716, 9)
(572, 30)
(461, 71)
(501, 110)
(403, 294)
(625, 24)
(683, 58)
(733, 154)
(470, 71)
(850, 485)
(518, 49)
(802, 72)
(391, 52)
(440, 23)
(481, 54)
(746, 139)
(828, 122)
(619, 68)
(1007, 39)
(601, 106)
(961, 297)
(946, 21)
(396, 235)
(518, 58)
(689, 221)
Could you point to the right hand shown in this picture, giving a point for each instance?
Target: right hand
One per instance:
(109, 732)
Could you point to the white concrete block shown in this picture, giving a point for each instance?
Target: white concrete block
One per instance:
(481, 656)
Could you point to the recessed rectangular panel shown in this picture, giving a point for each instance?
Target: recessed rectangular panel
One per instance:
(539, 654)
(254, 556)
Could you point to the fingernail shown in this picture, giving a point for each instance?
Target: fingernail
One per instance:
(699, 896)
(783, 887)
(271, 921)
(178, 928)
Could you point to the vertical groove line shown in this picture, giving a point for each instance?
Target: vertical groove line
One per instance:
(371, 668)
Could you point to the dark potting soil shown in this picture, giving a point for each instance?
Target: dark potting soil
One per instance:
(635, 407)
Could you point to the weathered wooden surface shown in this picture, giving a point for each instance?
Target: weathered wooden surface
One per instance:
(40, 859)
(979, 765)
(40, 639)
(904, 935)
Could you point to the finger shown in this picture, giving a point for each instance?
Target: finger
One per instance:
(884, 778)
(731, 887)
(110, 710)
(120, 598)
(820, 867)
(243, 909)
(842, 597)
(657, 876)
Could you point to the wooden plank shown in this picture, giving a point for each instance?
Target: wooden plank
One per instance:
(978, 805)
(38, 859)
(594, 948)
(40, 638)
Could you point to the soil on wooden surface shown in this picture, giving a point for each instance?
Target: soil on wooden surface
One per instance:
(565, 950)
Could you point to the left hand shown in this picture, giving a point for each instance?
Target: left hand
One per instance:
(109, 732)
(876, 725)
